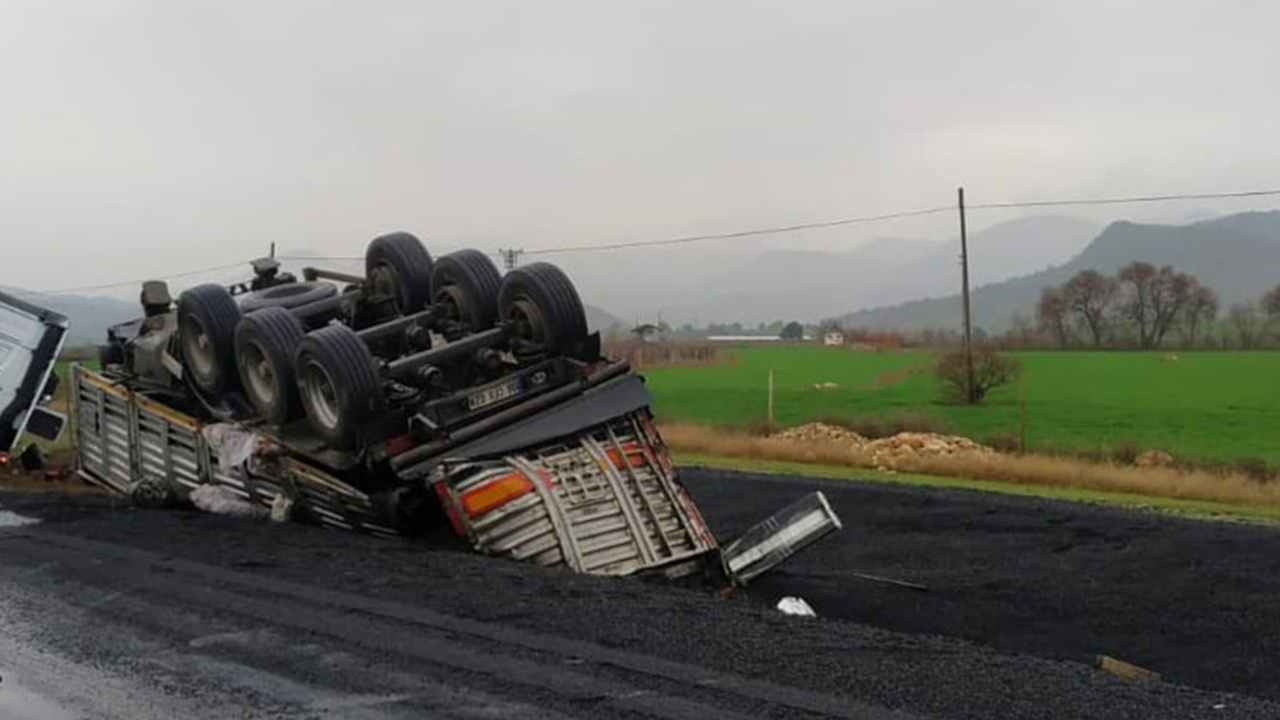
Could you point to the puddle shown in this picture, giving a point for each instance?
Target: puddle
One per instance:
(19, 703)
(12, 519)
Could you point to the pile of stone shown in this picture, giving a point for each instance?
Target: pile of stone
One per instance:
(886, 452)
(820, 432)
(931, 444)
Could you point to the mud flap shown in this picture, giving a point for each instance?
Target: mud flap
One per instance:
(780, 536)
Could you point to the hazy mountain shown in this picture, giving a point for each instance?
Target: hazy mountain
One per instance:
(808, 285)
(1237, 255)
(91, 316)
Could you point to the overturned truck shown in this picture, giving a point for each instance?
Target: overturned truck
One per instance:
(420, 391)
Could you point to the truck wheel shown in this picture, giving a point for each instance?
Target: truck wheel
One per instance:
(288, 295)
(544, 306)
(338, 383)
(398, 266)
(207, 319)
(266, 341)
(466, 284)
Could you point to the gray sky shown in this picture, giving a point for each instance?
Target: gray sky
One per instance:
(141, 137)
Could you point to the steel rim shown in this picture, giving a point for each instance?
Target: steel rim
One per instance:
(321, 395)
(260, 374)
(197, 348)
(529, 323)
(386, 282)
(450, 301)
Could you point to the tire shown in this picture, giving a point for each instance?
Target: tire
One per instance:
(338, 384)
(288, 295)
(266, 341)
(544, 306)
(397, 265)
(467, 283)
(207, 319)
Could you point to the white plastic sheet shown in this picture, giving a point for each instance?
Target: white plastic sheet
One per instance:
(232, 444)
(792, 605)
(220, 500)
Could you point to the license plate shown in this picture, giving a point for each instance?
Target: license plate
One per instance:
(494, 394)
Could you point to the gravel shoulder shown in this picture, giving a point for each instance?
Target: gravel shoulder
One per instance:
(874, 647)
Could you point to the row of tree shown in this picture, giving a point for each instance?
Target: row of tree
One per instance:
(1142, 306)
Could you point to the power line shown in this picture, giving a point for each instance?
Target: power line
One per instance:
(721, 236)
(743, 233)
(1123, 200)
(122, 283)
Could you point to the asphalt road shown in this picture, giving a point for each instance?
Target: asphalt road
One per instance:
(112, 612)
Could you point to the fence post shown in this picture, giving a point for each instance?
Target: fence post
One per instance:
(1022, 414)
(770, 421)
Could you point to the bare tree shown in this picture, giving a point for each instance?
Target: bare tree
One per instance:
(1090, 295)
(1271, 302)
(1051, 313)
(990, 370)
(1201, 308)
(1153, 299)
(1136, 280)
(1247, 323)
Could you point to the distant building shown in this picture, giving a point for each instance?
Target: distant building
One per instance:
(833, 339)
(744, 338)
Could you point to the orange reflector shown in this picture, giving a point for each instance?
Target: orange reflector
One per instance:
(495, 493)
(634, 457)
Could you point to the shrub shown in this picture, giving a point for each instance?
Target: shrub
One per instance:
(1003, 441)
(990, 370)
(1254, 468)
(1126, 453)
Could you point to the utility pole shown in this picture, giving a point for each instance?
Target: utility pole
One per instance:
(511, 257)
(968, 318)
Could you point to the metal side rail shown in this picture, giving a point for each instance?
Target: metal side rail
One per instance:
(125, 439)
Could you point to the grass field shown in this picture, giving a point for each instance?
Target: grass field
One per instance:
(1204, 406)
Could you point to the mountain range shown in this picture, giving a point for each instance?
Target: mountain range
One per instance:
(905, 284)
(1238, 256)
(804, 284)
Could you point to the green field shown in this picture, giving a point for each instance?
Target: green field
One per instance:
(1208, 406)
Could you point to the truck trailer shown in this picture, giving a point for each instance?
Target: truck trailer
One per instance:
(422, 391)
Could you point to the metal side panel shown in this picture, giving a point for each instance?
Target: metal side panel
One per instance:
(105, 431)
(779, 536)
(604, 501)
(123, 439)
(168, 447)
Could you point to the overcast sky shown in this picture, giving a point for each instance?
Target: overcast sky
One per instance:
(139, 138)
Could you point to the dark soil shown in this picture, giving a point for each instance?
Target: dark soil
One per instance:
(1197, 601)
(1020, 578)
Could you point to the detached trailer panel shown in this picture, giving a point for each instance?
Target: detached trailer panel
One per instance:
(30, 339)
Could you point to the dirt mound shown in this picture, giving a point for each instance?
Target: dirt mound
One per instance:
(821, 432)
(933, 444)
(885, 451)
